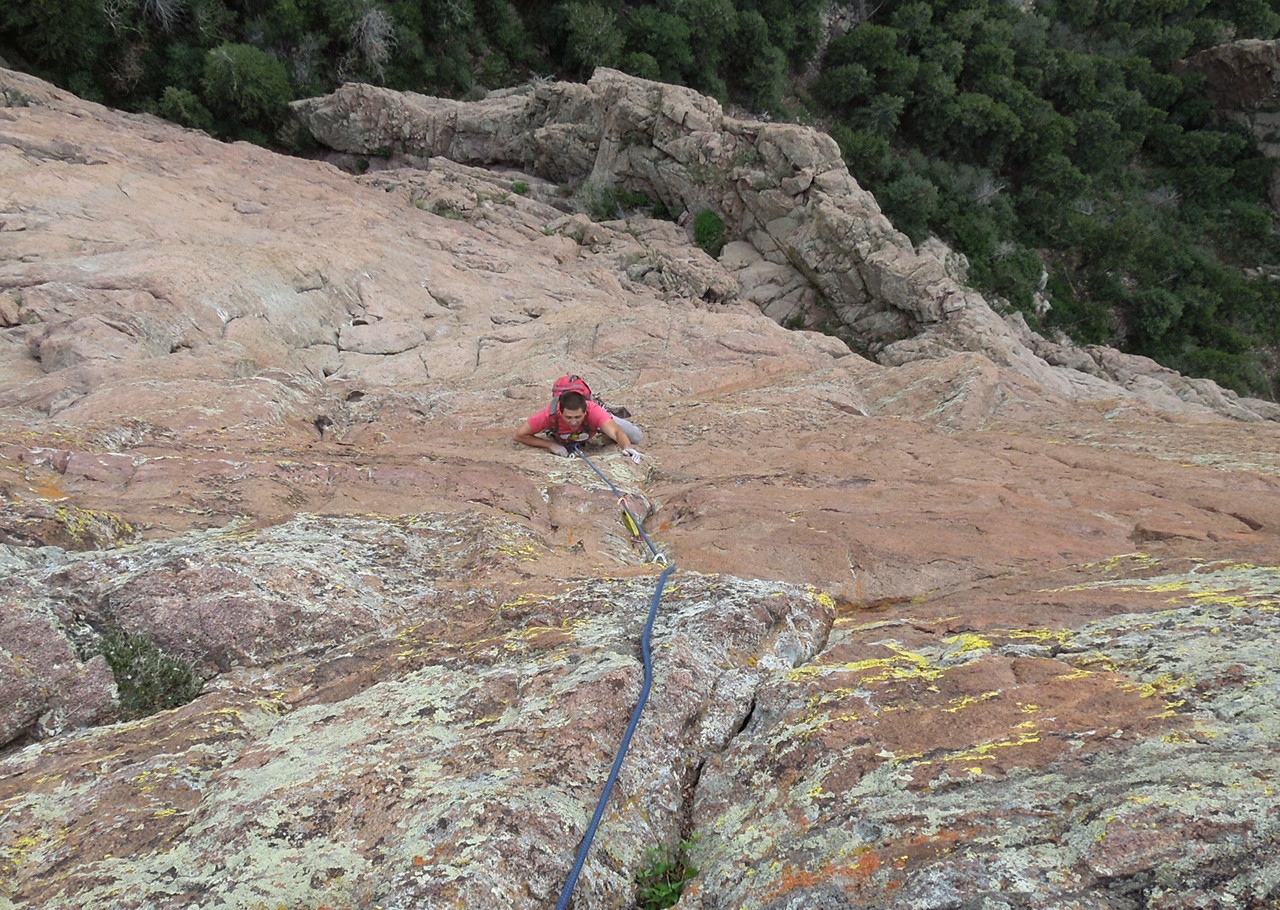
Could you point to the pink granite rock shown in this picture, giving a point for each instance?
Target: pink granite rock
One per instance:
(942, 634)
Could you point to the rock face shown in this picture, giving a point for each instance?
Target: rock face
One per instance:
(811, 246)
(940, 635)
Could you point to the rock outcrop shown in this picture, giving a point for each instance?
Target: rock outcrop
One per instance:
(939, 635)
(812, 247)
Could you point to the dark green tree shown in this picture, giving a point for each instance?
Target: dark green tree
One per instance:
(592, 37)
(61, 40)
(664, 37)
(182, 106)
(755, 68)
(712, 25)
(1251, 18)
(910, 201)
(867, 154)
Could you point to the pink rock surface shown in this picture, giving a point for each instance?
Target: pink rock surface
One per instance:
(940, 635)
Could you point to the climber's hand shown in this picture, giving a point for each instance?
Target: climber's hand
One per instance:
(632, 454)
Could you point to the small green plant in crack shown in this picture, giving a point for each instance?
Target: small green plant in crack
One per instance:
(148, 679)
(662, 880)
(709, 232)
(520, 188)
(15, 97)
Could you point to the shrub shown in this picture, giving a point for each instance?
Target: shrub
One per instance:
(148, 680)
(182, 106)
(15, 97)
(600, 202)
(663, 38)
(166, 14)
(709, 232)
(866, 154)
(58, 38)
(642, 65)
(373, 38)
(662, 881)
(1239, 372)
(1081, 318)
(1012, 273)
(1153, 311)
(246, 84)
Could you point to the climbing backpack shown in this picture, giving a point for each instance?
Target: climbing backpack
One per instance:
(578, 384)
(564, 385)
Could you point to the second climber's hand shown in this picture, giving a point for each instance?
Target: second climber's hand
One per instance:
(632, 454)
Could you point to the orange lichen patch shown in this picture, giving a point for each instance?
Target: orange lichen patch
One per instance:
(870, 865)
(866, 865)
(853, 875)
(48, 488)
(925, 846)
(791, 879)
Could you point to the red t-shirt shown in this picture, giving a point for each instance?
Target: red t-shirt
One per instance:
(596, 418)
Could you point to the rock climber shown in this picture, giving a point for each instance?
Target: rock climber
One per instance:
(573, 420)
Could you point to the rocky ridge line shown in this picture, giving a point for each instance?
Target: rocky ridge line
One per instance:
(812, 245)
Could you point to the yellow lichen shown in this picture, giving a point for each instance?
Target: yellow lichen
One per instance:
(1062, 636)
(1078, 673)
(12, 853)
(1164, 684)
(965, 701)
(984, 751)
(904, 666)
(968, 642)
(825, 600)
(1220, 597)
(81, 523)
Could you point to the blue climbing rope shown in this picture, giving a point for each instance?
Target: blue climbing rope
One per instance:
(587, 838)
(567, 892)
(622, 501)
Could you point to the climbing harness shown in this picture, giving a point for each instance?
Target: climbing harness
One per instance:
(567, 892)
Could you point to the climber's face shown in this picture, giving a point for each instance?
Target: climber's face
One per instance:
(572, 417)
